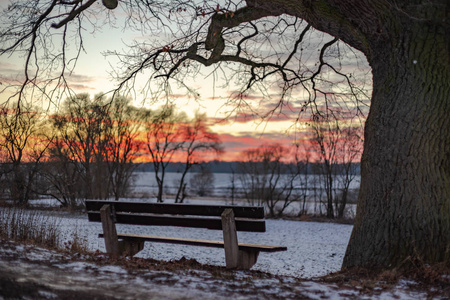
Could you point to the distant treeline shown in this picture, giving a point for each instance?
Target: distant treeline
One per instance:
(217, 166)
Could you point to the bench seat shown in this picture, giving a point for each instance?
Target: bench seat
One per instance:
(195, 242)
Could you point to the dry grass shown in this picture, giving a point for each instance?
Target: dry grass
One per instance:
(29, 226)
(36, 227)
(77, 244)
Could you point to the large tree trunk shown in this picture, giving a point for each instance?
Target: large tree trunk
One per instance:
(404, 203)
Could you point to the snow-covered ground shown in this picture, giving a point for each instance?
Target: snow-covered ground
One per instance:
(29, 272)
(314, 249)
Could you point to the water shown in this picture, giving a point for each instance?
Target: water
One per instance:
(145, 182)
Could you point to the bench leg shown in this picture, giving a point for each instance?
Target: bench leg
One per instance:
(247, 259)
(230, 241)
(109, 231)
(130, 247)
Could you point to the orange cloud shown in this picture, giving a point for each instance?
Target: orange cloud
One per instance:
(235, 144)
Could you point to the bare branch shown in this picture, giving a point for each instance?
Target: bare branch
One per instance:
(74, 13)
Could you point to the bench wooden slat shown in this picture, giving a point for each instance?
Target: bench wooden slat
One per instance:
(174, 209)
(181, 221)
(195, 242)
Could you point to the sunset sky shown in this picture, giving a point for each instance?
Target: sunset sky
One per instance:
(239, 130)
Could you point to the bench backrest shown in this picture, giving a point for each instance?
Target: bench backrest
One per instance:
(183, 215)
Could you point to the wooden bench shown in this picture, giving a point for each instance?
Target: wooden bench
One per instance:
(229, 219)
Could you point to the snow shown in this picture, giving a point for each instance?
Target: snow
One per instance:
(314, 248)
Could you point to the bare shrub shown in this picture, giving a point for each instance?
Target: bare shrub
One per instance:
(202, 183)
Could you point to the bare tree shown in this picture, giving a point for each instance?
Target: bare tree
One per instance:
(406, 156)
(24, 145)
(81, 128)
(91, 155)
(125, 124)
(252, 177)
(4, 170)
(233, 185)
(62, 176)
(198, 141)
(326, 138)
(338, 146)
(269, 178)
(283, 176)
(202, 183)
(302, 166)
(164, 139)
(349, 152)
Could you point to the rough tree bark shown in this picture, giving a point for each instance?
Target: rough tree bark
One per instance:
(404, 203)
